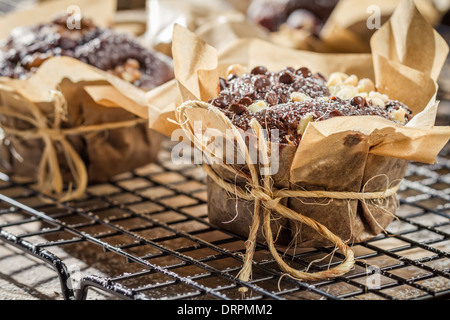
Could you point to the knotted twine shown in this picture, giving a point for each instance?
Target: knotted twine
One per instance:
(260, 190)
(49, 178)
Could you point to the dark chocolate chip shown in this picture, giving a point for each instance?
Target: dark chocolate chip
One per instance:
(259, 70)
(222, 83)
(221, 101)
(271, 98)
(237, 108)
(246, 101)
(247, 92)
(286, 77)
(261, 83)
(305, 72)
(358, 101)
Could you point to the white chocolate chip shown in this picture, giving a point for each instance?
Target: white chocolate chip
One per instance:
(299, 97)
(398, 115)
(336, 78)
(236, 69)
(257, 106)
(301, 127)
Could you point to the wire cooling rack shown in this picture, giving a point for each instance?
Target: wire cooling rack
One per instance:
(145, 235)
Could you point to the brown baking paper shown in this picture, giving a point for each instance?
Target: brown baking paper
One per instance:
(70, 124)
(353, 22)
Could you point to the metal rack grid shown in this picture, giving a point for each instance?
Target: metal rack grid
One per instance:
(147, 234)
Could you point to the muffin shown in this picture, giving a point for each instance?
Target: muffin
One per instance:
(118, 53)
(105, 136)
(288, 100)
(295, 14)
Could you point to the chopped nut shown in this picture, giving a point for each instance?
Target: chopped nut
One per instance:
(363, 94)
(131, 75)
(351, 81)
(336, 78)
(307, 118)
(377, 95)
(298, 96)
(132, 63)
(257, 106)
(365, 85)
(398, 115)
(333, 90)
(377, 102)
(129, 71)
(236, 69)
(347, 92)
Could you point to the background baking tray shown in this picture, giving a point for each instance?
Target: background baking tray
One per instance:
(145, 235)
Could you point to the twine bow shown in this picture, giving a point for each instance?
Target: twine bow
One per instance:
(49, 177)
(266, 197)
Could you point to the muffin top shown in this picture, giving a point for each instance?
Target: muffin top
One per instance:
(28, 47)
(290, 98)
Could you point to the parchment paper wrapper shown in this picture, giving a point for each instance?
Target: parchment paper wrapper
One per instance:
(107, 117)
(360, 154)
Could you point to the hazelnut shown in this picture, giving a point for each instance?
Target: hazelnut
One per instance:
(336, 78)
(398, 115)
(347, 92)
(298, 96)
(236, 69)
(307, 118)
(378, 95)
(377, 102)
(351, 81)
(365, 85)
(257, 106)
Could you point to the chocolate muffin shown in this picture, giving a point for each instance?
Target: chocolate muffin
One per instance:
(290, 98)
(28, 47)
(305, 14)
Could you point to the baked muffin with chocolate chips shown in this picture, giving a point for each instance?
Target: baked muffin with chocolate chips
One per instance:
(289, 99)
(28, 47)
(295, 14)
